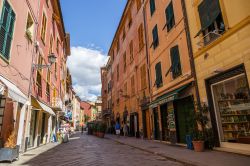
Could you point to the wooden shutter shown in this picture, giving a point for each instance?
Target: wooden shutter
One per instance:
(152, 7)
(170, 16)
(158, 74)
(175, 59)
(143, 76)
(155, 37)
(6, 29)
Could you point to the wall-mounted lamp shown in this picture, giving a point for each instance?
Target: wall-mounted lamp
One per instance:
(52, 60)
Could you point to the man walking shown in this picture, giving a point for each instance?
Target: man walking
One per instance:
(117, 129)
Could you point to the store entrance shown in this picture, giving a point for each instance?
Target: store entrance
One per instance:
(184, 108)
(156, 124)
(232, 109)
(164, 122)
(33, 124)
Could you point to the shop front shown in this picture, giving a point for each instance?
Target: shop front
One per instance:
(229, 96)
(171, 112)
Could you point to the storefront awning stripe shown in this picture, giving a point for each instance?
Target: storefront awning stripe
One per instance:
(13, 91)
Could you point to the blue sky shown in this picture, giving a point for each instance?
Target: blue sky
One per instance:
(92, 25)
(92, 21)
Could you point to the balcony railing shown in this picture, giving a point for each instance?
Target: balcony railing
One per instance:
(57, 103)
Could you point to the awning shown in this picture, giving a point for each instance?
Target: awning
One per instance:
(39, 105)
(13, 91)
(170, 96)
(46, 108)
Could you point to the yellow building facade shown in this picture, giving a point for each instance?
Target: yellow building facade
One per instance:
(220, 34)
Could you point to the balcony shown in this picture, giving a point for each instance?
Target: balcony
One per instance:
(57, 104)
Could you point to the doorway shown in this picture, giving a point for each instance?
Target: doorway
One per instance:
(156, 124)
(164, 122)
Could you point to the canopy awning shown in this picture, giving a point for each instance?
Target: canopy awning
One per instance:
(39, 105)
(13, 91)
(46, 108)
(170, 96)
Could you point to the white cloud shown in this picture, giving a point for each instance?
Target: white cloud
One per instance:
(84, 65)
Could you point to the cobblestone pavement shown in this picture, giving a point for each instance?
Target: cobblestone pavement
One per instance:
(90, 151)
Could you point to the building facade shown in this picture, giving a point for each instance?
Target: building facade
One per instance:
(32, 86)
(220, 34)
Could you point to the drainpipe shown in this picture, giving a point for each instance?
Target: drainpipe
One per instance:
(147, 53)
(190, 50)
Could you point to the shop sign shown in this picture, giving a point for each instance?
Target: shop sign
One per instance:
(167, 99)
(171, 120)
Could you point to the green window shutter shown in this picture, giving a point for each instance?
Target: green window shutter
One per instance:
(209, 10)
(155, 37)
(158, 74)
(152, 7)
(170, 16)
(176, 63)
(6, 29)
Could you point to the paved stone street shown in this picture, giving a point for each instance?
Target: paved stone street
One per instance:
(89, 150)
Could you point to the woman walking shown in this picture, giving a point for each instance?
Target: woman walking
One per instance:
(117, 129)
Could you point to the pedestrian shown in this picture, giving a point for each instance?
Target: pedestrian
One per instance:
(82, 130)
(117, 129)
(125, 129)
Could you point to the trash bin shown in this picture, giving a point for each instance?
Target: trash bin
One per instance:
(189, 142)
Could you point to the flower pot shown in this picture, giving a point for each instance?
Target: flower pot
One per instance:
(101, 135)
(198, 146)
(9, 154)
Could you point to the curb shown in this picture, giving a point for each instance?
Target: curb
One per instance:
(186, 163)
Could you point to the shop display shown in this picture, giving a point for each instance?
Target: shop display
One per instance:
(232, 102)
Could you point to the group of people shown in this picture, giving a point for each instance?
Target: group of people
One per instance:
(121, 129)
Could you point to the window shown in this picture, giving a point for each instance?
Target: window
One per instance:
(29, 28)
(132, 85)
(57, 45)
(55, 70)
(170, 16)
(158, 75)
(124, 61)
(212, 24)
(155, 37)
(138, 4)
(43, 31)
(143, 77)
(48, 86)
(124, 34)
(118, 45)
(152, 7)
(39, 76)
(51, 44)
(6, 29)
(176, 63)
(2, 108)
(129, 19)
(131, 50)
(140, 37)
(117, 72)
(125, 92)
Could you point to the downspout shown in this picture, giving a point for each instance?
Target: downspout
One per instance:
(190, 50)
(147, 53)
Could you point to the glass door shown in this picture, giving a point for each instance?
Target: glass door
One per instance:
(232, 106)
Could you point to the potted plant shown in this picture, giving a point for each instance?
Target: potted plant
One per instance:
(10, 150)
(102, 129)
(199, 127)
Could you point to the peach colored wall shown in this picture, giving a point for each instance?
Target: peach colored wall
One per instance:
(167, 40)
(18, 68)
(133, 67)
(53, 29)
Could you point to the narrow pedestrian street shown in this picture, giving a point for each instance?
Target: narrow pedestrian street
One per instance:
(90, 151)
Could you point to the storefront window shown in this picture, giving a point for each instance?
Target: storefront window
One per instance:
(232, 106)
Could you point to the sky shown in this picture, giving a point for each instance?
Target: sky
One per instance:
(92, 25)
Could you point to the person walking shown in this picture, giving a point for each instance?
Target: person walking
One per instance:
(125, 129)
(117, 129)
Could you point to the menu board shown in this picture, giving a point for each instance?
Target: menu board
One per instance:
(171, 119)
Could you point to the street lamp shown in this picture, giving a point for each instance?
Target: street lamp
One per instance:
(51, 58)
